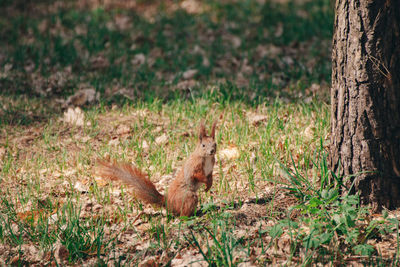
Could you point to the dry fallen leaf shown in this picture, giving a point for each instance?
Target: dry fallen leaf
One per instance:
(2, 152)
(183, 85)
(82, 97)
(53, 219)
(31, 253)
(314, 89)
(99, 62)
(246, 68)
(205, 62)
(116, 192)
(122, 22)
(157, 129)
(279, 30)
(6, 70)
(193, 6)
(74, 116)
(241, 232)
(189, 259)
(241, 80)
(231, 152)
(289, 61)
(256, 119)
(234, 40)
(113, 142)
(149, 262)
(145, 146)
(43, 26)
(189, 74)
(138, 59)
(29, 66)
(128, 93)
(80, 187)
(81, 29)
(308, 132)
(123, 129)
(101, 182)
(162, 139)
(308, 100)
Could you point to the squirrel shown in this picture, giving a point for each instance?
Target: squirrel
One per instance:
(181, 198)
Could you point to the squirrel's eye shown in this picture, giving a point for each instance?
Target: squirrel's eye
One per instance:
(204, 145)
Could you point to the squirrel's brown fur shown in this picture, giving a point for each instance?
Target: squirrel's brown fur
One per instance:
(181, 198)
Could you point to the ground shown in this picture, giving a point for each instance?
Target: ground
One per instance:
(83, 80)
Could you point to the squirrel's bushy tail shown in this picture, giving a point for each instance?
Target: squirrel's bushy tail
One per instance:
(144, 189)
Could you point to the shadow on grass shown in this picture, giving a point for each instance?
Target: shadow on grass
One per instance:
(232, 51)
(231, 206)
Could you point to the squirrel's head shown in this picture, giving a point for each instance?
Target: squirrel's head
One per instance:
(207, 144)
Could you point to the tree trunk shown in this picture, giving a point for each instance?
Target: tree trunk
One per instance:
(365, 95)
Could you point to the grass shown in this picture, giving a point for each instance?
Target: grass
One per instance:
(272, 202)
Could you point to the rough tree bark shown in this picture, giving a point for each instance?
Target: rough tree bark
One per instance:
(365, 99)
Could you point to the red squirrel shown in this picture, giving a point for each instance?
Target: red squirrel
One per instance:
(181, 198)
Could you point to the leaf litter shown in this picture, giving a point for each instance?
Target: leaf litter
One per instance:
(137, 231)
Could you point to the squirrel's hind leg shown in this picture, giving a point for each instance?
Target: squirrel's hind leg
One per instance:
(183, 204)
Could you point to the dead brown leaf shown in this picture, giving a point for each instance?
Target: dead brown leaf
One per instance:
(74, 116)
(149, 262)
(189, 74)
(138, 59)
(83, 97)
(99, 62)
(123, 22)
(230, 153)
(162, 139)
(256, 119)
(123, 129)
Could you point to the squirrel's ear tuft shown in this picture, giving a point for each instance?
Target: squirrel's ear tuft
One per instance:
(213, 129)
(202, 132)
